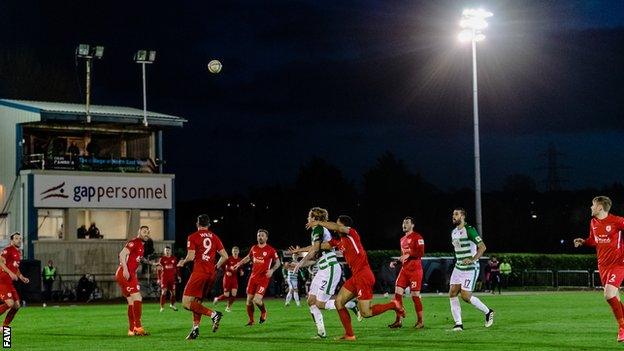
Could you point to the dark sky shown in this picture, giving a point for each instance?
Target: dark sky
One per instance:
(347, 81)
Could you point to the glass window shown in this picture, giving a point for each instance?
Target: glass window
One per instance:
(155, 221)
(50, 223)
(103, 224)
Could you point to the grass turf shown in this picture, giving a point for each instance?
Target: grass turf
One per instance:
(524, 321)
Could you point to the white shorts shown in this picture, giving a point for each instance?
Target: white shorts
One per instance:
(467, 279)
(292, 282)
(325, 281)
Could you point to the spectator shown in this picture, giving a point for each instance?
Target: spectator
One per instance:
(81, 233)
(49, 275)
(505, 269)
(85, 287)
(73, 150)
(93, 149)
(94, 232)
(495, 277)
(387, 277)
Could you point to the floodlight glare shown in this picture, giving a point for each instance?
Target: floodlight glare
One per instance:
(145, 56)
(473, 22)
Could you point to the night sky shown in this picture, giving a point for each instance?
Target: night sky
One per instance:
(341, 80)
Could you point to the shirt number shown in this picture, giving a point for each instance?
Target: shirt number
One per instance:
(207, 246)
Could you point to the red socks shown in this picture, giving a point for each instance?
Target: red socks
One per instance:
(250, 312)
(231, 300)
(9, 317)
(419, 308)
(172, 298)
(137, 307)
(162, 300)
(201, 309)
(381, 308)
(399, 298)
(130, 317)
(345, 319)
(616, 306)
(222, 297)
(196, 318)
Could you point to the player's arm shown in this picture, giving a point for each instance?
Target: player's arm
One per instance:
(418, 248)
(6, 269)
(474, 237)
(587, 242)
(329, 225)
(243, 261)
(123, 261)
(275, 266)
(190, 256)
(223, 258)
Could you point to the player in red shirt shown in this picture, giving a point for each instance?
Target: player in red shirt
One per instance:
(605, 233)
(9, 263)
(230, 280)
(411, 274)
(361, 283)
(168, 276)
(265, 261)
(202, 248)
(129, 258)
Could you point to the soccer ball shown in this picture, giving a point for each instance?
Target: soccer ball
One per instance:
(214, 66)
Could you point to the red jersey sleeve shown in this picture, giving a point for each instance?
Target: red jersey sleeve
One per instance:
(334, 242)
(619, 222)
(417, 247)
(191, 244)
(590, 239)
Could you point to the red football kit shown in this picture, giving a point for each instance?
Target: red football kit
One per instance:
(262, 258)
(206, 245)
(362, 279)
(606, 235)
(412, 245)
(12, 256)
(169, 272)
(131, 286)
(230, 275)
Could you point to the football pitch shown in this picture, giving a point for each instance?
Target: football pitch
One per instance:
(524, 321)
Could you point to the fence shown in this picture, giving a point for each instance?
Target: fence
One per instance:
(561, 279)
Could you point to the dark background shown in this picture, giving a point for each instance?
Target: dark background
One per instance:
(364, 107)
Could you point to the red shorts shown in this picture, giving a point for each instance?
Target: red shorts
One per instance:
(230, 282)
(168, 283)
(411, 278)
(8, 292)
(128, 287)
(257, 285)
(612, 276)
(197, 283)
(361, 284)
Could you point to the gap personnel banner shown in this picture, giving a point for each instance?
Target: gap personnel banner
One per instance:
(102, 192)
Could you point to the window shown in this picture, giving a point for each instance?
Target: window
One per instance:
(109, 224)
(155, 221)
(50, 223)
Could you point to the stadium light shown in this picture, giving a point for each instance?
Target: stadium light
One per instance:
(473, 22)
(144, 57)
(88, 53)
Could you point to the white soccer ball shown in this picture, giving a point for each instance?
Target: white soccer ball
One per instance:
(214, 66)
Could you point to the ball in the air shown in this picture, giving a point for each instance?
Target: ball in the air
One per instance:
(214, 66)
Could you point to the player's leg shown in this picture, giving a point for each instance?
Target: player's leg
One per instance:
(454, 290)
(12, 306)
(290, 292)
(231, 299)
(343, 296)
(611, 280)
(137, 309)
(258, 301)
(399, 289)
(250, 307)
(316, 288)
(469, 281)
(415, 287)
(225, 293)
(295, 293)
(172, 298)
(163, 297)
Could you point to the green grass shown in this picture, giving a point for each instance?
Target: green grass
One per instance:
(524, 321)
